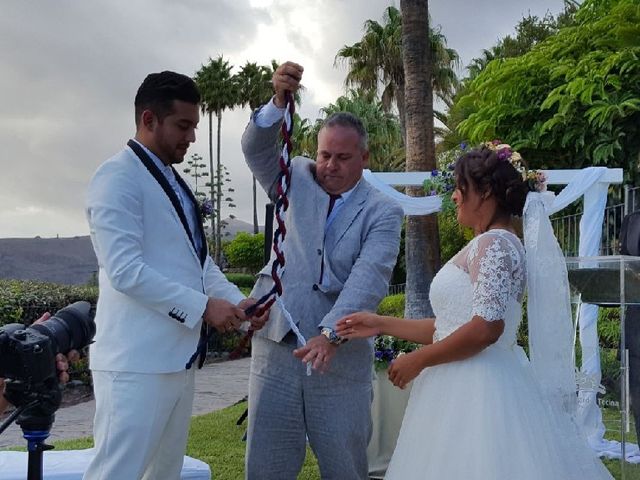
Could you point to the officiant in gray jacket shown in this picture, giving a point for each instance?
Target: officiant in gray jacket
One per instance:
(341, 245)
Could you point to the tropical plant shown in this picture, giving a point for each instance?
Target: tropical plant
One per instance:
(573, 100)
(386, 152)
(254, 85)
(376, 62)
(219, 92)
(530, 31)
(246, 251)
(196, 170)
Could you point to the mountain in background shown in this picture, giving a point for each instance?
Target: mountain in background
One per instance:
(69, 261)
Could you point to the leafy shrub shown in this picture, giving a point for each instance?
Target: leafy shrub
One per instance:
(453, 236)
(242, 280)
(392, 306)
(25, 301)
(386, 347)
(609, 327)
(246, 251)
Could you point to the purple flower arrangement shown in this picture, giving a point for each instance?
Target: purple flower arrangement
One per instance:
(387, 348)
(206, 207)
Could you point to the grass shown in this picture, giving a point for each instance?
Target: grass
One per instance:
(217, 440)
(611, 419)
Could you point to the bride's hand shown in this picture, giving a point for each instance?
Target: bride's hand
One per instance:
(404, 369)
(359, 325)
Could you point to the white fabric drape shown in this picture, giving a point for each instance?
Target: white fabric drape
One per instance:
(548, 306)
(410, 205)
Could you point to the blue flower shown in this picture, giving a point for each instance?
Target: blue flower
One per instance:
(206, 207)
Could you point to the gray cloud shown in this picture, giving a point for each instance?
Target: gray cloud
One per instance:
(70, 70)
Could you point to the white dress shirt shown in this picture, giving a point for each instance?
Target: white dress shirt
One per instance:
(187, 205)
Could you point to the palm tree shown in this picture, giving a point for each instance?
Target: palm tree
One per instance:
(422, 246)
(219, 92)
(376, 61)
(383, 129)
(305, 136)
(254, 83)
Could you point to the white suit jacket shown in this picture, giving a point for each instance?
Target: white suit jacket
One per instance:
(153, 284)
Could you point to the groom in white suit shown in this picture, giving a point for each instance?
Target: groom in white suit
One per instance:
(157, 285)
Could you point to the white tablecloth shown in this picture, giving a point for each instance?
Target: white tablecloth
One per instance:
(387, 411)
(71, 464)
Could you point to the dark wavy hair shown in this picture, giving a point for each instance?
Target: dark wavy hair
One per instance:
(489, 174)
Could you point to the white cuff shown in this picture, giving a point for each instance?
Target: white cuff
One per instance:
(269, 114)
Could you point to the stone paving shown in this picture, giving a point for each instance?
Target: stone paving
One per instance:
(218, 385)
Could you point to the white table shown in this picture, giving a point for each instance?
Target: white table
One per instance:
(71, 464)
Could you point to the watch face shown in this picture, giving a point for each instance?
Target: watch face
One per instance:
(330, 335)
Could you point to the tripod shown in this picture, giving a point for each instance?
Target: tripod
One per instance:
(35, 418)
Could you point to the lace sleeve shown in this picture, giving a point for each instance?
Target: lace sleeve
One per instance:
(491, 265)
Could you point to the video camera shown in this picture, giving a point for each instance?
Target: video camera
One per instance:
(28, 361)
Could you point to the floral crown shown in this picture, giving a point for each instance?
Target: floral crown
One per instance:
(442, 182)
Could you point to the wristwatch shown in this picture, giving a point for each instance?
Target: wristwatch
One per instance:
(330, 334)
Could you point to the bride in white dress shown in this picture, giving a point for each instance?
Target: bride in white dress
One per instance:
(476, 410)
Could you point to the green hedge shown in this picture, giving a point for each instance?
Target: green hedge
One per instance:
(392, 306)
(25, 301)
(242, 280)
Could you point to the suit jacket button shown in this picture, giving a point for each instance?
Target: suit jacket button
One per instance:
(315, 286)
(319, 252)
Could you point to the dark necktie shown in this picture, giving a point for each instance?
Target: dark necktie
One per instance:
(332, 202)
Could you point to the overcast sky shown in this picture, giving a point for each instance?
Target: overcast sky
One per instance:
(70, 70)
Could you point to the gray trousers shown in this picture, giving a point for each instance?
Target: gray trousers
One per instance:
(286, 406)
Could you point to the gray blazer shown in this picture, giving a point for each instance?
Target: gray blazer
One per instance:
(360, 249)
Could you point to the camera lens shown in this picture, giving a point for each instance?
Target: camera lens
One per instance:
(70, 328)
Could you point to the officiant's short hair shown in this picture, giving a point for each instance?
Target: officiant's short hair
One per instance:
(158, 91)
(347, 120)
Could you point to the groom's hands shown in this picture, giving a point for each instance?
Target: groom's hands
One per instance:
(404, 369)
(222, 315)
(257, 322)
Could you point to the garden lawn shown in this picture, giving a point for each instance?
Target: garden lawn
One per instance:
(217, 440)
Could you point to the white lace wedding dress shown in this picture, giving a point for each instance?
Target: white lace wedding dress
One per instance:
(484, 418)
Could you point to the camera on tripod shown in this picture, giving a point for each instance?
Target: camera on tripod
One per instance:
(27, 361)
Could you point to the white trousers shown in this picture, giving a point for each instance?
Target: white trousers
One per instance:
(141, 425)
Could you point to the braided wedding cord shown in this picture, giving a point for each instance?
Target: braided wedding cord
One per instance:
(281, 206)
